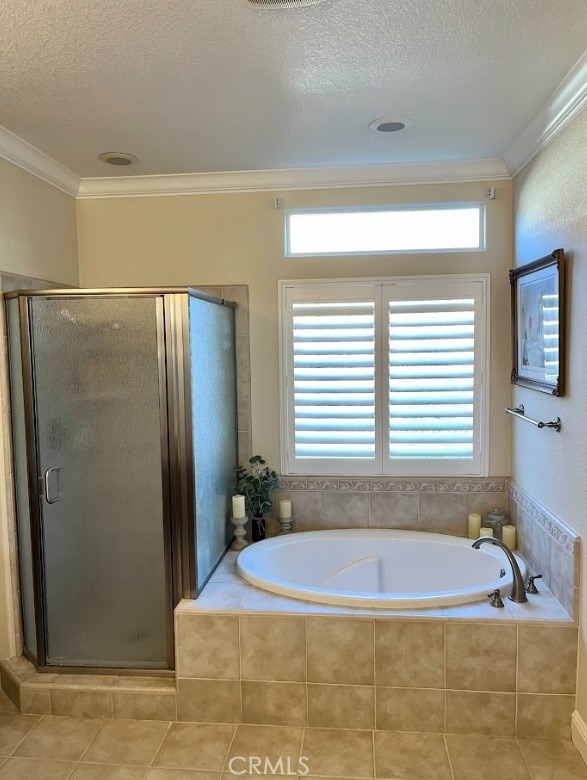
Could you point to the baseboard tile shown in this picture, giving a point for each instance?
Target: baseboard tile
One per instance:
(579, 734)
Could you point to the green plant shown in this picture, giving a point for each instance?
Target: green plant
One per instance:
(256, 485)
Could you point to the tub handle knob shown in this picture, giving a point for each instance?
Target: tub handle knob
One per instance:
(496, 599)
(531, 587)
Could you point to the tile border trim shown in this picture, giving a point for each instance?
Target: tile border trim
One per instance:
(556, 528)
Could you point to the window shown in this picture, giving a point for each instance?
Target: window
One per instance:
(384, 376)
(385, 230)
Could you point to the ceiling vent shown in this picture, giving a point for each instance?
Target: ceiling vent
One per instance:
(282, 3)
(118, 158)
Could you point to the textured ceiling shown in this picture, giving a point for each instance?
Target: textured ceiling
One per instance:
(216, 85)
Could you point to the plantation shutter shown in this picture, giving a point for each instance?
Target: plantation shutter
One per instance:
(332, 380)
(434, 373)
(384, 378)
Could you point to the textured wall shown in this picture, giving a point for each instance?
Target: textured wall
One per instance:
(238, 239)
(38, 238)
(551, 211)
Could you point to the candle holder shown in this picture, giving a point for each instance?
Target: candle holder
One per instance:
(239, 542)
(285, 524)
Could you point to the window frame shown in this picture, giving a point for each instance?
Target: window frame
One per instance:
(382, 465)
(453, 205)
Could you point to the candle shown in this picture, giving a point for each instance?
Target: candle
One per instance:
(238, 507)
(486, 531)
(285, 509)
(508, 535)
(474, 526)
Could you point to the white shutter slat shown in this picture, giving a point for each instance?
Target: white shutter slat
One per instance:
(431, 379)
(334, 379)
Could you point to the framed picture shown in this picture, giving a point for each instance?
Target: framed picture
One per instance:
(538, 318)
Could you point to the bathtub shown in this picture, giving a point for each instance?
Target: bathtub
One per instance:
(377, 568)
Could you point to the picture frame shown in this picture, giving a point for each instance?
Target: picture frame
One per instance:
(538, 324)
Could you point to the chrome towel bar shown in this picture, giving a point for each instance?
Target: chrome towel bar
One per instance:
(519, 412)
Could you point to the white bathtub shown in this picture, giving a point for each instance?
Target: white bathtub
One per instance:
(377, 568)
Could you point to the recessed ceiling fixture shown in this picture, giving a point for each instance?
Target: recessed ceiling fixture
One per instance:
(390, 124)
(118, 158)
(282, 3)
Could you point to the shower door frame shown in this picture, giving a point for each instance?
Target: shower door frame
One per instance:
(173, 352)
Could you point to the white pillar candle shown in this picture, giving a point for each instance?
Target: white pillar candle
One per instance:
(238, 507)
(474, 526)
(508, 535)
(285, 509)
(486, 532)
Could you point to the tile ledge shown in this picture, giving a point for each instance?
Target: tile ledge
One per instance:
(548, 611)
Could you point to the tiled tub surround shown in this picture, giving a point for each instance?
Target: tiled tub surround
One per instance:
(248, 656)
(436, 505)
(440, 505)
(548, 545)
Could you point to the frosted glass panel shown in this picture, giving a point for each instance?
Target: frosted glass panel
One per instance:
(214, 427)
(23, 523)
(96, 376)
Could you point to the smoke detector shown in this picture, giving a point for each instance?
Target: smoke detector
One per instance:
(118, 158)
(282, 3)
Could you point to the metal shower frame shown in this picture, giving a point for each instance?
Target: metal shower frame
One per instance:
(177, 456)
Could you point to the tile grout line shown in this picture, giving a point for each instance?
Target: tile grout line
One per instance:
(517, 681)
(227, 756)
(32, 728)
(526, 765)
(374, 681)
(307, 682)
(104, 720)
(444, 722)
(240, 667)
(167, 730)
(450, 766)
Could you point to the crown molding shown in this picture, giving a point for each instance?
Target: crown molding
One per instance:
(29, 158)
(493, 169)
(568, 99)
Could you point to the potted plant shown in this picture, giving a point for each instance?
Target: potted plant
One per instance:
(257, 484)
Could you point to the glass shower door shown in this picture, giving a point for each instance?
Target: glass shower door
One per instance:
(100, 423)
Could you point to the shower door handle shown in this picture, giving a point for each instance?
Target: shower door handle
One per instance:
(52, 498)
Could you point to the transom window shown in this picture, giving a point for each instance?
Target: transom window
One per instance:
(458, 227)
(384, 376)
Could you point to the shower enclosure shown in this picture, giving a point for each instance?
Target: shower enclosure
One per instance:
(125, 443)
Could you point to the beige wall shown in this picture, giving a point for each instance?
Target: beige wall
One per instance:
(238, 238)
(551, 212)
(38, 238)
(38, 231)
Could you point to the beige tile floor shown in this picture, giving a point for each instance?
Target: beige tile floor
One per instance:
(55, 748)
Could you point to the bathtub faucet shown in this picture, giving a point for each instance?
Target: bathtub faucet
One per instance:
(518, 593)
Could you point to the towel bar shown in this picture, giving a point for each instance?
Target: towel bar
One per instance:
(520, 413)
